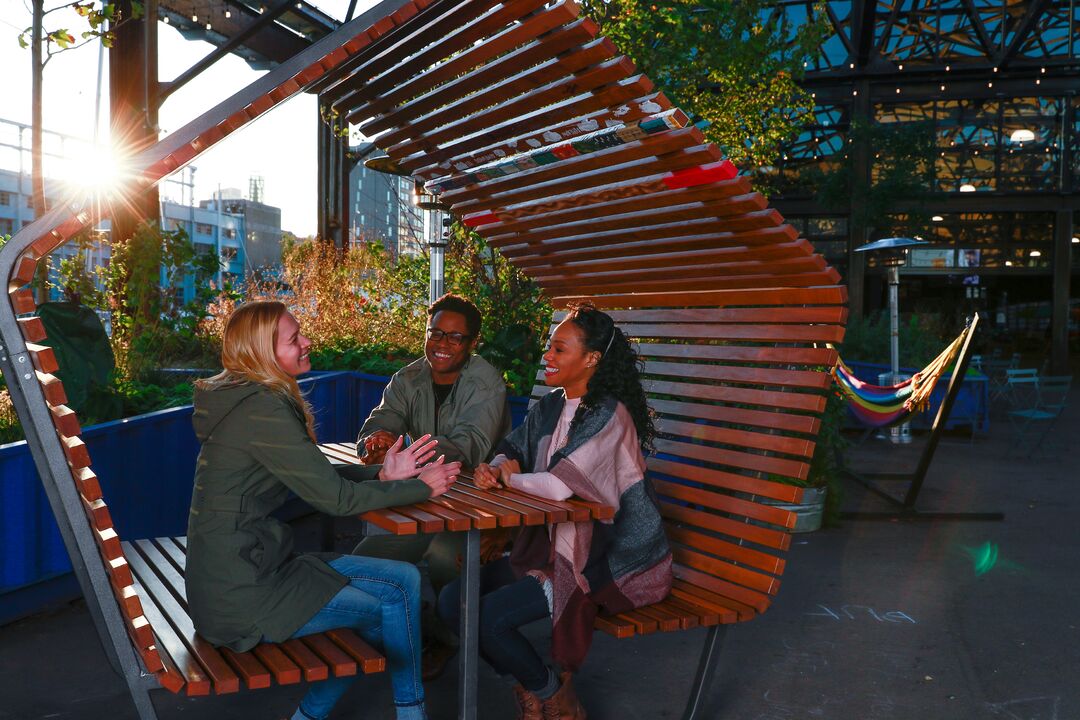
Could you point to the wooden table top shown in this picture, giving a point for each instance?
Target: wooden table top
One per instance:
(467, 507)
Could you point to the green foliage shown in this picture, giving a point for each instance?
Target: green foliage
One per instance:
(516, 314)
(922, 338)
(903, 168)
(734, 64)
(102, 20)
(375, 358)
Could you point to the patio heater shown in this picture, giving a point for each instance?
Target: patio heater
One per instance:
(893, 254)
(439, 238)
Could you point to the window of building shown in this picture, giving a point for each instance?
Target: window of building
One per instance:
(229, 232)
(204, 229)
(5, 226)
(29, 202)
(204, 248)
(228, 254)
(5, 197)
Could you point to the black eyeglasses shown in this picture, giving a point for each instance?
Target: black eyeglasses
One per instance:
(454, 338)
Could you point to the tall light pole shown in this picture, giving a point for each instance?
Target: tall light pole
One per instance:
(893, 254)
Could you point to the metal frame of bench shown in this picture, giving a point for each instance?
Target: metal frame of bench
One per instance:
(547, 142)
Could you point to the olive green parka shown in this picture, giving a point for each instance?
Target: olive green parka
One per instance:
(244, 581)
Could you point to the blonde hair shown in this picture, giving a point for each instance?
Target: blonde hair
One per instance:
(247, 356)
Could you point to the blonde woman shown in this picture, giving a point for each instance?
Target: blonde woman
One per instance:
(245, 584)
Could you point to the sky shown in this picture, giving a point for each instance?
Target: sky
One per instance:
(280, 146)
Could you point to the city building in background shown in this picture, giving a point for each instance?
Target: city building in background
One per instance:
(384, 210)
(993, 89)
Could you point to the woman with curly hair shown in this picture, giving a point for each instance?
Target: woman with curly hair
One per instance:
(584, 439)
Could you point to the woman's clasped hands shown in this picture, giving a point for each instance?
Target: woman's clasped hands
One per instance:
(412, 461)
(490, 477)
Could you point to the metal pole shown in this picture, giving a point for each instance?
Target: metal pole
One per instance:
(437, 254)
(470, 625)
(894, 322)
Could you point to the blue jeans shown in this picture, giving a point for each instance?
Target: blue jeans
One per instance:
(382, 604)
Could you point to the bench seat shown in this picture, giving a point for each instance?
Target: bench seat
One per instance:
(195, 667)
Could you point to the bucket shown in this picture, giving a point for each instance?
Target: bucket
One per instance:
(809, 513)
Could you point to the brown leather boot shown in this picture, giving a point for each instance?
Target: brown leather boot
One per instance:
(564, 704)
(529, 707)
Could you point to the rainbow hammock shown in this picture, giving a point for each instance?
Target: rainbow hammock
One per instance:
(884, 405)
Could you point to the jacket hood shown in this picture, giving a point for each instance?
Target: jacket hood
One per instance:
(211, 406)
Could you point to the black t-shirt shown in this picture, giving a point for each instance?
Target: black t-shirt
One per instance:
(441, 393)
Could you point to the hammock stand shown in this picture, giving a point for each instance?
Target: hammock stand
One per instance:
(882, 406)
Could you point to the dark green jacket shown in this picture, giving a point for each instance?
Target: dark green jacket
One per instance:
(474, 418)
(244, 582)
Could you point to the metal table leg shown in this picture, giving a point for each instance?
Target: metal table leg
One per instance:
(468, 655)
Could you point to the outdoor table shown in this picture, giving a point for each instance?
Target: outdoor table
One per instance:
(469, 509)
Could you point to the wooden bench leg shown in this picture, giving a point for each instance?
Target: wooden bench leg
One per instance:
(710, 655)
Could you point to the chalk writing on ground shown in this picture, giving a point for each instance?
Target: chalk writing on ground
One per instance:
(857, 612)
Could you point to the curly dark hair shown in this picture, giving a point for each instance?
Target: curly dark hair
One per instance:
(618, 373)
(457, 304)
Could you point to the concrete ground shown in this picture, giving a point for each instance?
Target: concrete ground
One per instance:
(876, 620)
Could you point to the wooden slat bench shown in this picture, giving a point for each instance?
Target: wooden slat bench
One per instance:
(548, 143)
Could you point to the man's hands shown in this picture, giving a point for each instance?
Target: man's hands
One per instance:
(375, 446)
(399, 464)
(493, 478)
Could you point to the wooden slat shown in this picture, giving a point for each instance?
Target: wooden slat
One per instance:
(514, 36)
(739, 374)
(722, 548)
(145, 558)
(554, 508)
(528, 514)
(369, 660)
(735, 315)
(313, 668)
(784, 271)
(52, 388)
(683, 592)
(22, 301)
(43, 357)
(714, 591)
(741, 438)
(481, 518)
(452, 101)
(606, 103)
(248, 667)
(472, 21)
(455, 521)
(662, 151)
(758, 227)
(615, 626)
(504, 515)
(817, 357)
(707, 617)
(768, 537)
(659, 239)
(390, 521)
(75, 450)
(284, 670)
(741, 416)
(64, 420)
(754, 462)
(340, 662)
(748, 396)
(725, 503)
(666, 621)
(426, 521)
(581, 84)
(87, 483)
(175, 655)
(643, 624)
(726, 480)
(712, 572)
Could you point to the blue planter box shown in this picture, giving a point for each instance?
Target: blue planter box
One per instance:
(971, 409)
(145, 465)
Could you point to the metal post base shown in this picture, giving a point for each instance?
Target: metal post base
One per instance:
(468, 657)
(710, 655)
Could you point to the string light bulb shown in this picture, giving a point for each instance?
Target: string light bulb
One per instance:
(165, 19)
(194, 18)
(228, 13)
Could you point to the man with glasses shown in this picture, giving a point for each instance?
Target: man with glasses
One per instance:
(460, 400)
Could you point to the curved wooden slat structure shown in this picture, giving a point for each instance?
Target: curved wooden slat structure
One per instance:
(549, 144)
